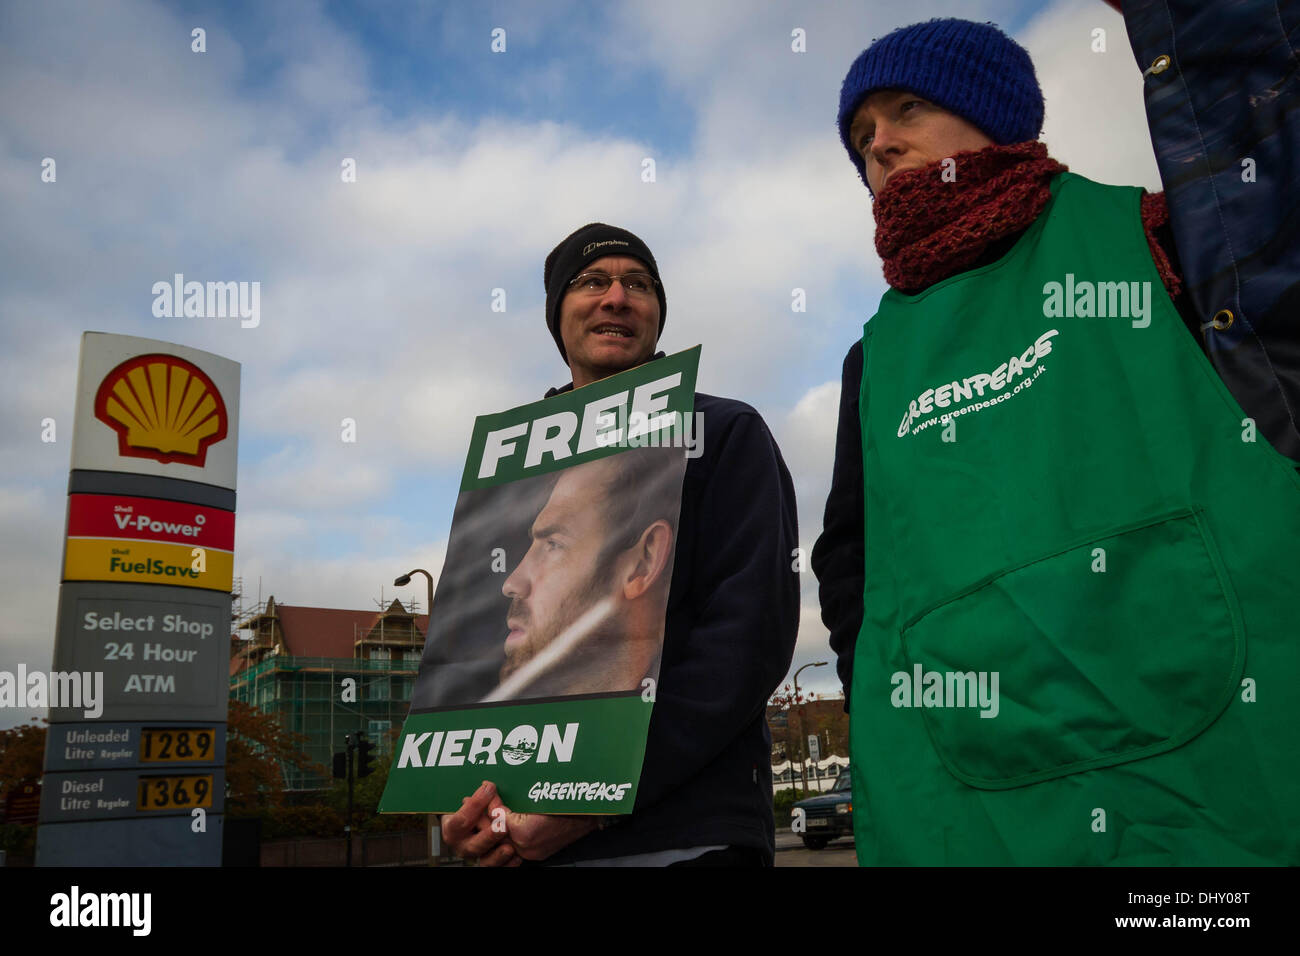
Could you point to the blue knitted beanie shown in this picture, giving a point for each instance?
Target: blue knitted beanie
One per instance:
(971, 69)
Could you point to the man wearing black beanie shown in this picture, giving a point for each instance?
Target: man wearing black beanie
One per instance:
(705, 794)
(583, 247)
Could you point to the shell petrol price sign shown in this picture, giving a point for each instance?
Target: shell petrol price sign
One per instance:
(144, 610)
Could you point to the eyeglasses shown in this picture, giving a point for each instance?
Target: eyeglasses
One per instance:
(598, 283)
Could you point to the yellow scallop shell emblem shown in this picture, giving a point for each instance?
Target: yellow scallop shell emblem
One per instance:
(162, 407)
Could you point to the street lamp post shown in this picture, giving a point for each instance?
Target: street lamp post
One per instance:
(789, 752)
(803, 767)
(435, 842)
(405, 579)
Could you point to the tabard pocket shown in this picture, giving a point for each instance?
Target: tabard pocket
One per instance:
(1117, 649)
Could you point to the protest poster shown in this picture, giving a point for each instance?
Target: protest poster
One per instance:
(545, 635)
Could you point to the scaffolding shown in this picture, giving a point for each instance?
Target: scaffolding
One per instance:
(307, 694)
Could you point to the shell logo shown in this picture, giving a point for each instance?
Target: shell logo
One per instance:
(162, 407)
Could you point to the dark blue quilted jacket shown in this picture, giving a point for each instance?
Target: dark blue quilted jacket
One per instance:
(1223, 104)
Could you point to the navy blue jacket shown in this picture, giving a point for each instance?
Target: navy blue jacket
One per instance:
(1225, 121)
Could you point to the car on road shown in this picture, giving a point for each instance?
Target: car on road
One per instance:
(828, 815)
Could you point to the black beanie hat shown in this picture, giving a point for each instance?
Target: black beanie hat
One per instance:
(579, 249)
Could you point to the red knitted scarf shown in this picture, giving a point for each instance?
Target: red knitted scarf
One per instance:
(928, 229)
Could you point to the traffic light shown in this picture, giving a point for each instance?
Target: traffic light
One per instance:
(364, 758)
(340, 766)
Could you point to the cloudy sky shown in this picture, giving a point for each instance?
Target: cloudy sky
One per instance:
(376, 295)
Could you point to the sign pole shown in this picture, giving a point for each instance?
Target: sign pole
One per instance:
(347, 829)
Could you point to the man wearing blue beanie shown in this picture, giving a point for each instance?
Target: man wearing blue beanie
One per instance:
(1048, 612)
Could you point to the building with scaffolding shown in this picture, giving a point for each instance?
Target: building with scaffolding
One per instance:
(296, 663)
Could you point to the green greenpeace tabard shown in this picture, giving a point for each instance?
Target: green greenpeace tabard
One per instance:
(1065, 500)
(541, 661)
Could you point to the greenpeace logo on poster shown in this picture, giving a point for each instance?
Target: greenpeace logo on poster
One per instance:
(482, 746)
(578, 790)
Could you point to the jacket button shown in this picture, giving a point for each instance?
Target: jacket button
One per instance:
(1160, 64)
(1222, 320)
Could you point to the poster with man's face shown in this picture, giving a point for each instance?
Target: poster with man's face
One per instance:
(542, 657)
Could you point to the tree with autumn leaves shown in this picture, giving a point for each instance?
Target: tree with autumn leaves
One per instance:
(257, 749)
(22, 755)
(808, 713)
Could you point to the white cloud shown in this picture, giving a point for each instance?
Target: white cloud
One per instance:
(808, 435)
(29, 574)
(1096, 122)
(356, 581)
(813, 646)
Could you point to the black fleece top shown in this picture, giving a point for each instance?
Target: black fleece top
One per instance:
(732, 618)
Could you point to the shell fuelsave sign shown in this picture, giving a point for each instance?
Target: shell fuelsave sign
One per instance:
(144, 610)
(123, 538)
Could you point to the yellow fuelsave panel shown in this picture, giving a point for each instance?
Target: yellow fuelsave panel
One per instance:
(148, 562)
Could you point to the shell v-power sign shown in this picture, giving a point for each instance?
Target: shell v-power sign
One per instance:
(136, 748)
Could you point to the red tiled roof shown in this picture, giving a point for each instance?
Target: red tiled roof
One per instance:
(327, 631)
(323, 631)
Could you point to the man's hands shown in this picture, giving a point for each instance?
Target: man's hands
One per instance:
(538, 835)
(477, 831)
(485, 829)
